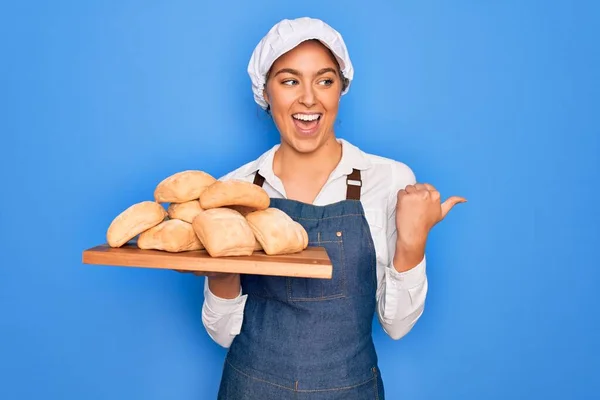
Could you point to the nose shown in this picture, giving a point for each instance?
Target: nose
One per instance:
(307, 97)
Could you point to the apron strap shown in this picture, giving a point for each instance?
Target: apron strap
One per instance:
(259, 179)
(353, 184)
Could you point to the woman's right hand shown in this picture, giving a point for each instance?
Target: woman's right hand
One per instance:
(221, 284)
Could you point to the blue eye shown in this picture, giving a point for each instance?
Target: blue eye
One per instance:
(289, 82)
(328, 82)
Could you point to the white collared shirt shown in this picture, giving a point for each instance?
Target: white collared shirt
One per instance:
(400, 296)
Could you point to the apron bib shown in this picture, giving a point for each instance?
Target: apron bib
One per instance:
(306, 338)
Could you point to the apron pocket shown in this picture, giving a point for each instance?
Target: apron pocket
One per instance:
(312, 289)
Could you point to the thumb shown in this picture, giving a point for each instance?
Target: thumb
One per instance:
(451, 202)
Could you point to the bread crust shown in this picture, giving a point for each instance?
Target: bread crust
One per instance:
(172, 235)
(224, 232)
(184, 211)
(134, 220)
(277, 232)
(234, 193)
(303, 233)
(183, 186)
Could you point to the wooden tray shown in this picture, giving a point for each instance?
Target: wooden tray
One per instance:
(313, 262)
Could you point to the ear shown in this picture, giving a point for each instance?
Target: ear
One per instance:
(266, 96)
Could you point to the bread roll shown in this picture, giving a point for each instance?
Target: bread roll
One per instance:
(184, 211)
(224, 232)
(243, 209)
(172, 235)
(182, 186)
(133, 221)
(234, 193)
(304, 235)
(276, 232)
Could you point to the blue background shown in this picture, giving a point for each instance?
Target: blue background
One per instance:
(494, 101)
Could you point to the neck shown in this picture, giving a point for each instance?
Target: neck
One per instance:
(287, 161)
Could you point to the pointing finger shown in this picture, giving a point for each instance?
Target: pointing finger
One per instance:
(451, 202)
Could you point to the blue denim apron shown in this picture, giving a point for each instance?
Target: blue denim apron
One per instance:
(307, 338)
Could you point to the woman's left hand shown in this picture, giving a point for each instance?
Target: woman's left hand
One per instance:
(418, 209)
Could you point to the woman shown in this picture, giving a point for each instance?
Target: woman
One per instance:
(294, 338)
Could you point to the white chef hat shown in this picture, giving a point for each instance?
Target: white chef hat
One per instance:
(284, 36)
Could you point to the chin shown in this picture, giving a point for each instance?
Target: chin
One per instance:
(306, 144)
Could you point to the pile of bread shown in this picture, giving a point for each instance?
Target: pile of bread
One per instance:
(226, 218)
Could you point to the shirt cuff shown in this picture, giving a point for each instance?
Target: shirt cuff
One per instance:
(220, 305)
(409, 279)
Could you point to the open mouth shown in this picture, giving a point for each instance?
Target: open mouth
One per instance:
(306, 124)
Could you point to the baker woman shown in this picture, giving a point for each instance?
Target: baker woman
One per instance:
(297, 338)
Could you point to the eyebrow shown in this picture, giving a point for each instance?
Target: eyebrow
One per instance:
(297, 73)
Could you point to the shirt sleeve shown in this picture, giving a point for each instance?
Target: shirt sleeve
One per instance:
(222, 318)
(401, 295)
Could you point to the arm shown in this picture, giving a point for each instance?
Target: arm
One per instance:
(403, 289)
(413, 209)
(223, 307)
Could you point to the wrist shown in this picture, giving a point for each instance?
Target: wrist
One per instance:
(225, 286)
(408, 255)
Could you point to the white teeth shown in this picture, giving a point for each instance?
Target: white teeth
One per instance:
(306, 117)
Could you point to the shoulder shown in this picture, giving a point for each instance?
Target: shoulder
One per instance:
(378, 167)
(400, 172)
(395, 173)
(383, 178)
(241, 173)
(247, 170)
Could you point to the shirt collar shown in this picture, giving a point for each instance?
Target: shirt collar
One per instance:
(352, 158)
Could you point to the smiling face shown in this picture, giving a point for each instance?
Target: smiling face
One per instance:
(303, 91)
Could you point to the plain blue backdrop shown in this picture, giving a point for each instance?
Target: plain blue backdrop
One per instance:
(494, 101)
